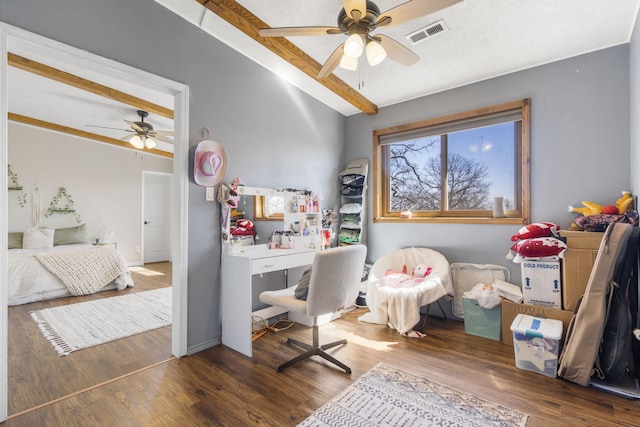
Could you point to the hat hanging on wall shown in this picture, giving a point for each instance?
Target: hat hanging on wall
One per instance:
(210, 163)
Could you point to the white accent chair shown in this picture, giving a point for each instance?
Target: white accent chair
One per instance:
(333, 285)
(399, 308)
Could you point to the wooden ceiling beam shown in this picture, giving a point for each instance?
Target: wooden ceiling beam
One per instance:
(82, 134)
(248, 23)
(87, 85)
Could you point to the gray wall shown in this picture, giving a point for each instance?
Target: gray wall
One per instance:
(580, 129)
(579, 149)
(274, 134)
(634, 113)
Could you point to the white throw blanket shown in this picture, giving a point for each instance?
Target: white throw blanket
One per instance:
(399, 307)
(86, 271)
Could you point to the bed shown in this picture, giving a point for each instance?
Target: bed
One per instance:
(66, 268)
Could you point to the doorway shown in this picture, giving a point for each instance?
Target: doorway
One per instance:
(29, 45)
(156, 217)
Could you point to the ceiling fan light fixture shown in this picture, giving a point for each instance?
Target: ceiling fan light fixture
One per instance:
(353, 46)
(150, 143)
(375, 53)
(349, 63)
(137, 142)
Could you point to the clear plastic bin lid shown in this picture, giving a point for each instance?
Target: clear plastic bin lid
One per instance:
(537, 327)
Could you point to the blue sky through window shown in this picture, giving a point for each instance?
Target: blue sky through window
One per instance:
(493, 146)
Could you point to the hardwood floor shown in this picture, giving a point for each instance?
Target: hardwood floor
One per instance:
(219, 386)
(37, 374)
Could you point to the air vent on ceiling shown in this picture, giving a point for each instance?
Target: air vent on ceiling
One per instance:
(427, 32)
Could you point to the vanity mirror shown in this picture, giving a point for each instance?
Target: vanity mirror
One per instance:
(296, 212)
(268, 208)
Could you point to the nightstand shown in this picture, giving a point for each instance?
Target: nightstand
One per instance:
(104, 244)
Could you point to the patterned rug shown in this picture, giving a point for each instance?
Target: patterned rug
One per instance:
(86, 324)
(387, 396)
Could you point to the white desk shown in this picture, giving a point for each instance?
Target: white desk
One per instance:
(236, 302)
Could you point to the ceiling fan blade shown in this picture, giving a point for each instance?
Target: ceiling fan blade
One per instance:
(355, 8)
(106, 127)
(412, 10)
(134, 126)
(162, 138)
(396, 51)
(162, 132)
(332, 62)
(298, 31)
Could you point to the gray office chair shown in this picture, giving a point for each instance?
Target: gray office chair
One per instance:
(334, 284)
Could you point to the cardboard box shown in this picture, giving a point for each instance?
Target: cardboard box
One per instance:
(582, 239)
(576, 269)
(577, 264)
(541, 283)
(536, 343)
(511, 309)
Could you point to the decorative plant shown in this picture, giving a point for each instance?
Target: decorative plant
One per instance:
(66, 209)
(15, 186)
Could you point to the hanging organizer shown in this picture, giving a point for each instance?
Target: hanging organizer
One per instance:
(353, 191)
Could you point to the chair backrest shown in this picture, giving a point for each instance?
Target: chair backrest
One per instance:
(335, 279)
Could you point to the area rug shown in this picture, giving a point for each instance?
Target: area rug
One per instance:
(387, 396)
(86, 324)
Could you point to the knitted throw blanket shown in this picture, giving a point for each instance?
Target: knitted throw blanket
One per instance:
(86, 271)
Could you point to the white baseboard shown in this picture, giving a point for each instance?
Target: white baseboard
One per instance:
(202, 346)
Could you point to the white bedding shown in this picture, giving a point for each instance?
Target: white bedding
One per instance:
(30, 281)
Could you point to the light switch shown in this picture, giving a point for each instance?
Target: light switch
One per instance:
(209, 194)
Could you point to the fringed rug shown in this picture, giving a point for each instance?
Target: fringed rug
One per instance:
(86, 324)
(387, 396)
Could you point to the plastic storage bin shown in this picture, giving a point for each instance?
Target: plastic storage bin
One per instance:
(481, 321)
(536, 343)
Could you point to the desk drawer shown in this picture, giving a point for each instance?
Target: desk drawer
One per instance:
(265, 265)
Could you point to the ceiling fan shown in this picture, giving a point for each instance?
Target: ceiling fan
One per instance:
(358, 19)
(143, 134)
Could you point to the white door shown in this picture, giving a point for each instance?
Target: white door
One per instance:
(156, 216)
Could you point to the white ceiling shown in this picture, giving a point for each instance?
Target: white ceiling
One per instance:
(40, 98)
(485, 39)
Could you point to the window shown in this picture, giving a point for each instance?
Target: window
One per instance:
(479, 155)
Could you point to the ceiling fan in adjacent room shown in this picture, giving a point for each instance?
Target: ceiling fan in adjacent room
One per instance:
(358, 19)
(143, 134)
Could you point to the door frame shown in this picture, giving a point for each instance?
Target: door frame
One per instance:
(143, 229)
(22, 42)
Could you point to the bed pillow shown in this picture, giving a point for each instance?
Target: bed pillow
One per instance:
(37, 238)
(67, 236)
(15, 240)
